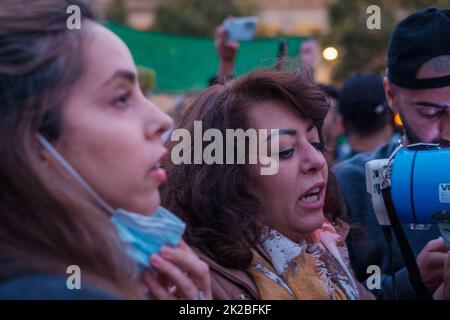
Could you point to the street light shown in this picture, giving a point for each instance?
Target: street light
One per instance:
(330, 53)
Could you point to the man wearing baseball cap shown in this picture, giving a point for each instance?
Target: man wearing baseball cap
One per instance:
(417, 86)
(367, 119)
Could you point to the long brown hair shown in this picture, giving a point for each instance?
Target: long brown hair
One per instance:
(46, 223)
(223, 217)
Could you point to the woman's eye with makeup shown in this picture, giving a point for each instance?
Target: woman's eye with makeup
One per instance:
(286, 153)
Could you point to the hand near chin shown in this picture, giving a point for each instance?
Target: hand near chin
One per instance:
(431, 261)
(447, 280)
(180, 274)
(443, 292)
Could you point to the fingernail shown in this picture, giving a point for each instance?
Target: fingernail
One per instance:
(156, 258)
(166, 250)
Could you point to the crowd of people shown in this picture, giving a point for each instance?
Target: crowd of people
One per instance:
(86, 176)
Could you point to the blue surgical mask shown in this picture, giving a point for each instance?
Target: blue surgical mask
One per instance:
(142, 234)
(145, 235)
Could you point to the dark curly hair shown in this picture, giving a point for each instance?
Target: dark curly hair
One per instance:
(223, 218)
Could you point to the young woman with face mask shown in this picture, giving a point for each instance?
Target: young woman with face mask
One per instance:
(80, 168)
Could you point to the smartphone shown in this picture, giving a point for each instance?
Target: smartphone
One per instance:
(241, 29)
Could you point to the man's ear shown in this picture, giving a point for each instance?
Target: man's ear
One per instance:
(391, 94)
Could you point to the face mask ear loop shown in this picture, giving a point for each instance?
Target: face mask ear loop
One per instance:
(70, 170)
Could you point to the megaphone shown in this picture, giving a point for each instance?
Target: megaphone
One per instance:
(419, 178)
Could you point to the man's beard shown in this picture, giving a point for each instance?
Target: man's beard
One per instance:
(414, 138)
(409, 133)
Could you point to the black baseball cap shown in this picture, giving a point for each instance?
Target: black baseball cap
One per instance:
(362, 97)
(416, 39)
(362, 103)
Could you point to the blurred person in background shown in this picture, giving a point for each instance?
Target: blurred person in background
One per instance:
(227, 51)
(366, 117)
(72, 98)
(333, 132)
(147, 80)
(309, 53)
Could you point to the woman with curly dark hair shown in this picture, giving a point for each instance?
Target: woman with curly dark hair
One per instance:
(265, 236)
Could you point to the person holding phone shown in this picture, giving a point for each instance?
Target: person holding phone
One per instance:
(227, 51)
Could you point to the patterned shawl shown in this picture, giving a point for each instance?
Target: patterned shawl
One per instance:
(315, 269)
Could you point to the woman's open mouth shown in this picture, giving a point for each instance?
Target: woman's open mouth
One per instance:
(311, 197)
(157, 173)
(314, 197)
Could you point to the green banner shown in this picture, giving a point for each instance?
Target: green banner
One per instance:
(184, 64)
